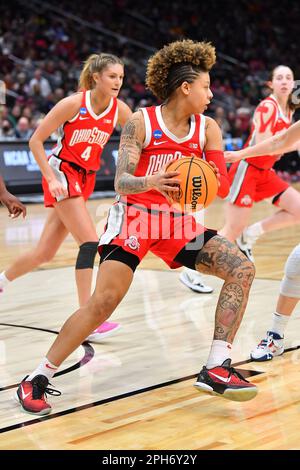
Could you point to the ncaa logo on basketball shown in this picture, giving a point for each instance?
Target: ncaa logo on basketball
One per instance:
(157, 134)
(132, 242)
(83, 110)
(246, 200)
(196, 191)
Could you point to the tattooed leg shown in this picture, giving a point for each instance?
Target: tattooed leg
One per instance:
(223, 259)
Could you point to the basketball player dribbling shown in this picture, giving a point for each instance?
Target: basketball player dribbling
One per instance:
(14, 206)
(289, 295)
(85, 121)
(253, 180)
(178, 74)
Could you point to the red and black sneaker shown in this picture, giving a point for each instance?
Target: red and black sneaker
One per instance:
(226, 382)
(31, 395)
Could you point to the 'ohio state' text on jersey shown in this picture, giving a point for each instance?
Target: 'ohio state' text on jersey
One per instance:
(161, 146)
(82, 139)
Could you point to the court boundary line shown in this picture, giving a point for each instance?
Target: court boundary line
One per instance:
(89, 353)
(123, 396)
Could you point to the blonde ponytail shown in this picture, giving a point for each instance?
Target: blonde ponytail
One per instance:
(95, 63)
(86, 79)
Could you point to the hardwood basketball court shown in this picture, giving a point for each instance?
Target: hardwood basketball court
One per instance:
(134, 391)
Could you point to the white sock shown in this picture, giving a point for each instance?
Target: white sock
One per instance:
(219, 351)
(3, 280)
(279, 323)
(45, 368)
(255, 230)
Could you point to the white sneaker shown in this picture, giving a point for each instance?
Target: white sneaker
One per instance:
(103, 331)
(268, 348)
(193, 280)
(245, 245)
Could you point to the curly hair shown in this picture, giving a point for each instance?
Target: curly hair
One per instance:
(176, 63)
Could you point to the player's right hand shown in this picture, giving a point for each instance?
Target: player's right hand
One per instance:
(57, 189)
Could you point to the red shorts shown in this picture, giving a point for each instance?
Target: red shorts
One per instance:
(249, 184)
(164, 233)
(78, 181)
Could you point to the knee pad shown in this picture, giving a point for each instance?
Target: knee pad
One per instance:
(86, 255)
(290, 284)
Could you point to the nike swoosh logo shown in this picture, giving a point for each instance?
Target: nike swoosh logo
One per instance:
(159, 143)
(47, 365)
(223, 379)
(83, 118)
(24, 395)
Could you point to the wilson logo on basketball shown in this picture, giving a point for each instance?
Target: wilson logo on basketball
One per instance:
(196, 191)
(198, 183)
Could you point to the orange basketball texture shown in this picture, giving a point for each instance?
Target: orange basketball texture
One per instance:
(199, 184)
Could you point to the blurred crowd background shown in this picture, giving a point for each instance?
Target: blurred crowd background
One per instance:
(43, 46)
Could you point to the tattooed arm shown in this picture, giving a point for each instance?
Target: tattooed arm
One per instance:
(131, 143)
(129, 155)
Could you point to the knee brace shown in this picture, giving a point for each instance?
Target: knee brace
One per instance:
(290, 284)
(86, 255)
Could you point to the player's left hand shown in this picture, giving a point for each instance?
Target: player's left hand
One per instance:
(14, 206)
(232, 157)
(217, 171)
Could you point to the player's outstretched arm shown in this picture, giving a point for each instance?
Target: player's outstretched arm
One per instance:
(282, 142)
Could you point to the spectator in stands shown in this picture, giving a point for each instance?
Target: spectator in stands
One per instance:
(6, 131)
(21, 86)
(39, 83)
(15, 114)
(220, 118)
(23, 129)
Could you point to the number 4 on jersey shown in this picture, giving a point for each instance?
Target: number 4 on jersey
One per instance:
(87, 153)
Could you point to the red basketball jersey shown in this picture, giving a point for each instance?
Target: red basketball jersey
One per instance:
(82, 139)
(161, 146)
(277, 122)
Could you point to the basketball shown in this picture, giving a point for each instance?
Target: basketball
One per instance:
(199, 184)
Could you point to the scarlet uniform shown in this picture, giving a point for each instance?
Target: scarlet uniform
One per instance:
(253, 179)
(76, 156)
(146, 221)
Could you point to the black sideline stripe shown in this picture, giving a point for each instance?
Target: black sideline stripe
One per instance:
(88, 353)
(246, 373)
